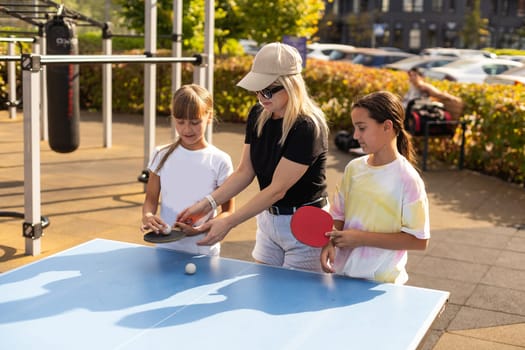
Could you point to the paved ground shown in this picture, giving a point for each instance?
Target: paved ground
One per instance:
(477, 249)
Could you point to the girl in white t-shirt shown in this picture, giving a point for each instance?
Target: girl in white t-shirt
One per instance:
(380, 208)
(185, 171)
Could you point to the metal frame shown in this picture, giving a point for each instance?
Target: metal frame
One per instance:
(443, 122)
(33, 68)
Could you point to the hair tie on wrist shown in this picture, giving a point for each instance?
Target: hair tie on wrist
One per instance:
(212, 201)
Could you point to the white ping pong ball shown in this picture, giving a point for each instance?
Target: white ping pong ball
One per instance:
(167, 229)
(190, 268)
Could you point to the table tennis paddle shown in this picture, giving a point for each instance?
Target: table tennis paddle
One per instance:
(309, 225)
(174, 235)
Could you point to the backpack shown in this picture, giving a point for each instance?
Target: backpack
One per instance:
(421, 111)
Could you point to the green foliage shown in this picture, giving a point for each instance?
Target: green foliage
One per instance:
(495, 115)
(91, 43)
(234, 19)
(475, 30)
(278, 18)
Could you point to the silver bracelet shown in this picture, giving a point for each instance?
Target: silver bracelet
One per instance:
(212, 201)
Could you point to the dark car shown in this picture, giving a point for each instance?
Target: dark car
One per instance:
(370, 57)
(378, 57)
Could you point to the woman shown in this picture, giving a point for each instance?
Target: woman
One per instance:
(285, 148)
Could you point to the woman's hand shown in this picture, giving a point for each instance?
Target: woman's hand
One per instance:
(191, 215)
(216, 229)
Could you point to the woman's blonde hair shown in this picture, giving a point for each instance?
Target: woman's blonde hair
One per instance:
(190, 101)
(300, 104)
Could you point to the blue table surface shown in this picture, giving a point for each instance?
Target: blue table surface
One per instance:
(112, 295)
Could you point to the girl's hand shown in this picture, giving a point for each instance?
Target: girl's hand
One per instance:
(189, 230)
(151, 222)
(327, 258)
(350, 238)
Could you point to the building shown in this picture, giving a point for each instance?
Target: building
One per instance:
(412, 25)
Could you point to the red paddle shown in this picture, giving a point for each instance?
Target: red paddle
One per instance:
(309, 224)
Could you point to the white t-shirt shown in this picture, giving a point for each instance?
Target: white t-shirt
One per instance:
(186, 177)
(389, 198)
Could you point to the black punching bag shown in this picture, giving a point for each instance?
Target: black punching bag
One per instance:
(62, 88)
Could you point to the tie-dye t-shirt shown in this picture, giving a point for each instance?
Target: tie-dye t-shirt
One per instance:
(389, 198)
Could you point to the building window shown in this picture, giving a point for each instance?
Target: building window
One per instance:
(413, 5)
(397, 39)
(437, 5)
(521, 8)
(452, 5)
(414, 38)
(505, 7)
(385, 5)
(432, 35)
(495, 7)
(335, 7)
(360, 6)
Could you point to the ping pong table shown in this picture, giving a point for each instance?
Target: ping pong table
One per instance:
(106, 294)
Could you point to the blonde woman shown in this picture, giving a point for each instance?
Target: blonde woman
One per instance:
(285, 148)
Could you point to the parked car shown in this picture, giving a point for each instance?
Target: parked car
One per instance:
(370, 57)
(519, 58)
(322, 51)
(379, 58)
(424, 62)
(514, 76)
(471, 70)
(450, 51)
(250, 46)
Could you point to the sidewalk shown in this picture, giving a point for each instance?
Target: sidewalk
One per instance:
(477, 249)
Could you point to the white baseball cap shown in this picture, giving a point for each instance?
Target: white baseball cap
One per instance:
(272, 61)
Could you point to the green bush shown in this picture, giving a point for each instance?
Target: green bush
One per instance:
(495, 115)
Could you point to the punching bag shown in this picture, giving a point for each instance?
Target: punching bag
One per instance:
(62, 87)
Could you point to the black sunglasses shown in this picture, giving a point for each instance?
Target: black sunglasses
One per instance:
(268, 92)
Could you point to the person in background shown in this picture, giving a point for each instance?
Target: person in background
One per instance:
(185, 171)
(420, 89)
(380, 208)
(285, 148)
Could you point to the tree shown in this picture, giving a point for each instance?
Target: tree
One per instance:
(361, 28)
(475, 29)
(278, 18)
(262, 21)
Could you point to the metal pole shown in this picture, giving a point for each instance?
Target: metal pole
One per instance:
(149, 80)
(209, 27)
(176, 48)
(32, 227)
(43, 90)
(107, 88)
(11, 81)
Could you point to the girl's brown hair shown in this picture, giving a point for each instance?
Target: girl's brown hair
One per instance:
(384, 105)
(189, 102)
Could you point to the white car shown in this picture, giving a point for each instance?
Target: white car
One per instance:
(424, 62)
(250, 46)
(471, 70)
(322, 51)
(514, 76)
(450, 51)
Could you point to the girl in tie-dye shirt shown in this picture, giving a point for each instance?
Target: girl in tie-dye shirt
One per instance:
(380, 208)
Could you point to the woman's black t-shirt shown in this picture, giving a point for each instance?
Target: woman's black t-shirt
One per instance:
(301, 146)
